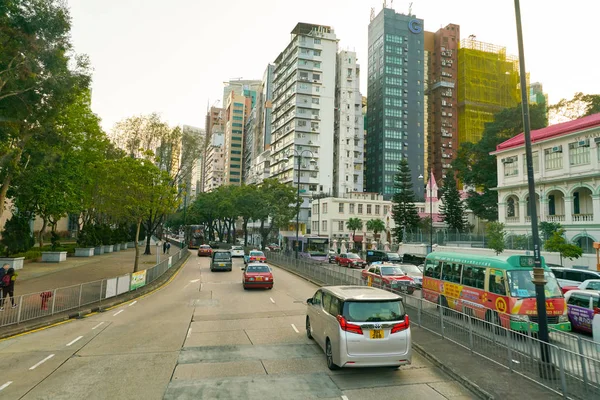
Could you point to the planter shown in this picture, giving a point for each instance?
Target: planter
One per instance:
(116, 247)
(123, 246)
(54, 256)
(98, 250)
(13, 262)
(84, 252)
(108, 248)
(130, 245)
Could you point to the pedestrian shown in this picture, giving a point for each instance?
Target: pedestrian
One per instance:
(165, 246)
(168, 247)
(45, 296)
(3, 272)
(8, 288)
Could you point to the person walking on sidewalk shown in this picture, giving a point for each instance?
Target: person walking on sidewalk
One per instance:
(3, 272)
(165, 247)
(168, 247)
(8, 288)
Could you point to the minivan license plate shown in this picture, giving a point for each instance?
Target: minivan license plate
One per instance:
(376, 333)
(221, 264)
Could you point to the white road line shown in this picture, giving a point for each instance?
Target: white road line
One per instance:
(344, 398)
(7, 384)
(272, 301)
(194, 281)
(117, 313)
(74, 340)
(296, 329)
(41, 362)
(97, 325)
(130, 304)
(189, 332)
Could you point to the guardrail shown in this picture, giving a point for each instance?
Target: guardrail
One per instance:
(53, 301)
(571, 369)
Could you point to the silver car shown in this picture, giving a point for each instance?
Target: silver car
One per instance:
(359, 326)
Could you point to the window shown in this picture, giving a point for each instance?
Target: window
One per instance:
(553, 158)
(510, 207)
(368, 209)
(377, 209)
(496, 282)
(351, 211)
(324, 208)
(576, 209)
(579, 152)
(326, 301)
(473, 276)
(551, 205)
(511, 167)
(237, 118)
(386, 209)
(316, 77)
(341, 207)
(324, 226)
(302, 123)
(579, 300)
(315, 100)
(317, 52)
(535, 159)
(349, 72)
(341, 226)
(360, 208)
(317, 41)
(237, 124)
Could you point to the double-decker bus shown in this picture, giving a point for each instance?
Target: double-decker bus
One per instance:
(194, 235)
(497, 289)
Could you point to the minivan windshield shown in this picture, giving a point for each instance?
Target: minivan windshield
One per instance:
(521, 285)
(373, 311)
(393, 256)
(221, 255)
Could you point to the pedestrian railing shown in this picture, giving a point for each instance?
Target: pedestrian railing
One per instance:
(569, 365)
(53, 301)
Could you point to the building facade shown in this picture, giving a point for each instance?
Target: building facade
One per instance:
(395, 117)
(442, 102)
(566, 164)
(303, 112)
(240, 87)
(214, 121)
(235, 119)
(193, 172)
(349, 127)
(215, 160)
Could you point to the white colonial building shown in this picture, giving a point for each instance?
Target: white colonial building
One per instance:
(566, 162)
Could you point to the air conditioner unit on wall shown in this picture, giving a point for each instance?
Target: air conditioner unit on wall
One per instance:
(557, 149)
(583, 143)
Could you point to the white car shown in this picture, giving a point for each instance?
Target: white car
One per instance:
(590, 284)
(359, 326)
(237, 251)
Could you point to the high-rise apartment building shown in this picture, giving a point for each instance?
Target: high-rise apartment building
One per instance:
(442, 101)
(396, 86)
(192, 168)
(215, 120)
(537, 95)
(488, 82)
(240, 87)
(215, 162)
(349, 127)
(303, 112)
(236, 109)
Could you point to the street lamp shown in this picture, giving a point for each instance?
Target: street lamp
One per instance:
(285, 159)
(430, 212)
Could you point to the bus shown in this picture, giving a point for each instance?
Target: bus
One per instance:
(194, 234)
(314, 247)
(496, 289)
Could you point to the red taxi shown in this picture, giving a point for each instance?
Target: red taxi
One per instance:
(350, 260)
(388, 276)
(204, 250)
(255, 256)
(257, 275)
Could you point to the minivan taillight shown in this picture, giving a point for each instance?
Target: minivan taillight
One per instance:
(402, 326)
(349, 327)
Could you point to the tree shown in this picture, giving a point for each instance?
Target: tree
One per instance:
(376, 225)
(496, 236)
(580, 105)
(548, 228)
(247, 203)
(558, 243)
(279, 205)
(354, 224)
(16, 237)
(452, 208)
(403, 203)
(477, 169)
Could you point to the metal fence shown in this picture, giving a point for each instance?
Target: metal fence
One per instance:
(53, 301)
(570, 365)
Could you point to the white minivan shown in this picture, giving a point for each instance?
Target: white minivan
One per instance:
(359, 326)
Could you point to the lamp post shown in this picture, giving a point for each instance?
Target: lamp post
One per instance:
(546, 369)
(430, 211)
(298, 156)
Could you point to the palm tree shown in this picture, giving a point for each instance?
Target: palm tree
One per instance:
(354, 224)
(376, 225)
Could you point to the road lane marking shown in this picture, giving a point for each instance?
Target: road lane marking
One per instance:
(272, 301)
(296, 329)
(344, 398)
(7, 384)
(189, 332)
(73, 341)
(97, 325)
(117, 313)
(194, 281)
(130, 304)
(41, 362)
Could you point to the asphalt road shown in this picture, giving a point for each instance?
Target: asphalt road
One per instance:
(202, 337)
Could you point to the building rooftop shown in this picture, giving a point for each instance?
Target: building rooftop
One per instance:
(552, 131)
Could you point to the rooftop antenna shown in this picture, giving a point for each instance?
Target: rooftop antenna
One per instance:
(392, 4)
(410, 8)
(384, 3)
(372, 13)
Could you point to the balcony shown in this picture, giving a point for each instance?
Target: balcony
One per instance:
(555, 218)
(512, 220)
(583, 217)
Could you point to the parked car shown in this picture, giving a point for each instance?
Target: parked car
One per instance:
(590, 284)
(394, 258)
(350, 260)
(221, 261)
(255, 256)
(331, 257)
(237, 251)
(359, 327)
(257, 275)
(273, 247)
(388, 276)
(375, 256)
(582, 305)
(204, 250)
(414, 272)
(568, 275)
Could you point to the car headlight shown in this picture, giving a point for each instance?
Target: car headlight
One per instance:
(520, 318)
(563, 318)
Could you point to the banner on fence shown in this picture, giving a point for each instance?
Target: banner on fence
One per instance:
(111, 287)
(138, 279)
(170, 261)
(123, 284)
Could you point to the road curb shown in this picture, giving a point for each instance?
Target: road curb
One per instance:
(482, 394)
(91, 309)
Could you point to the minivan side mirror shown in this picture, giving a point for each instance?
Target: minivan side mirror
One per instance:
(309, 301)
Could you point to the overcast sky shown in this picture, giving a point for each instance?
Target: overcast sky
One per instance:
(172, 56)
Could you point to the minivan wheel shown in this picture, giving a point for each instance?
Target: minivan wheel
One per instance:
(329, 354)
(308, 333)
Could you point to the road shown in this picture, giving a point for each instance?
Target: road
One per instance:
(202, 337)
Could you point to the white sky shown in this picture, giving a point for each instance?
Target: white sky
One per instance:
(172, 56)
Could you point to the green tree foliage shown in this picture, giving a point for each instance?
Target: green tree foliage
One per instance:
(452, 208)
(547, 229)
(558, 243)
(354, 224)
(477, 169)
(403, 203)
(495, 236)
(580, 105)
(376, 225)
(16, 236)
